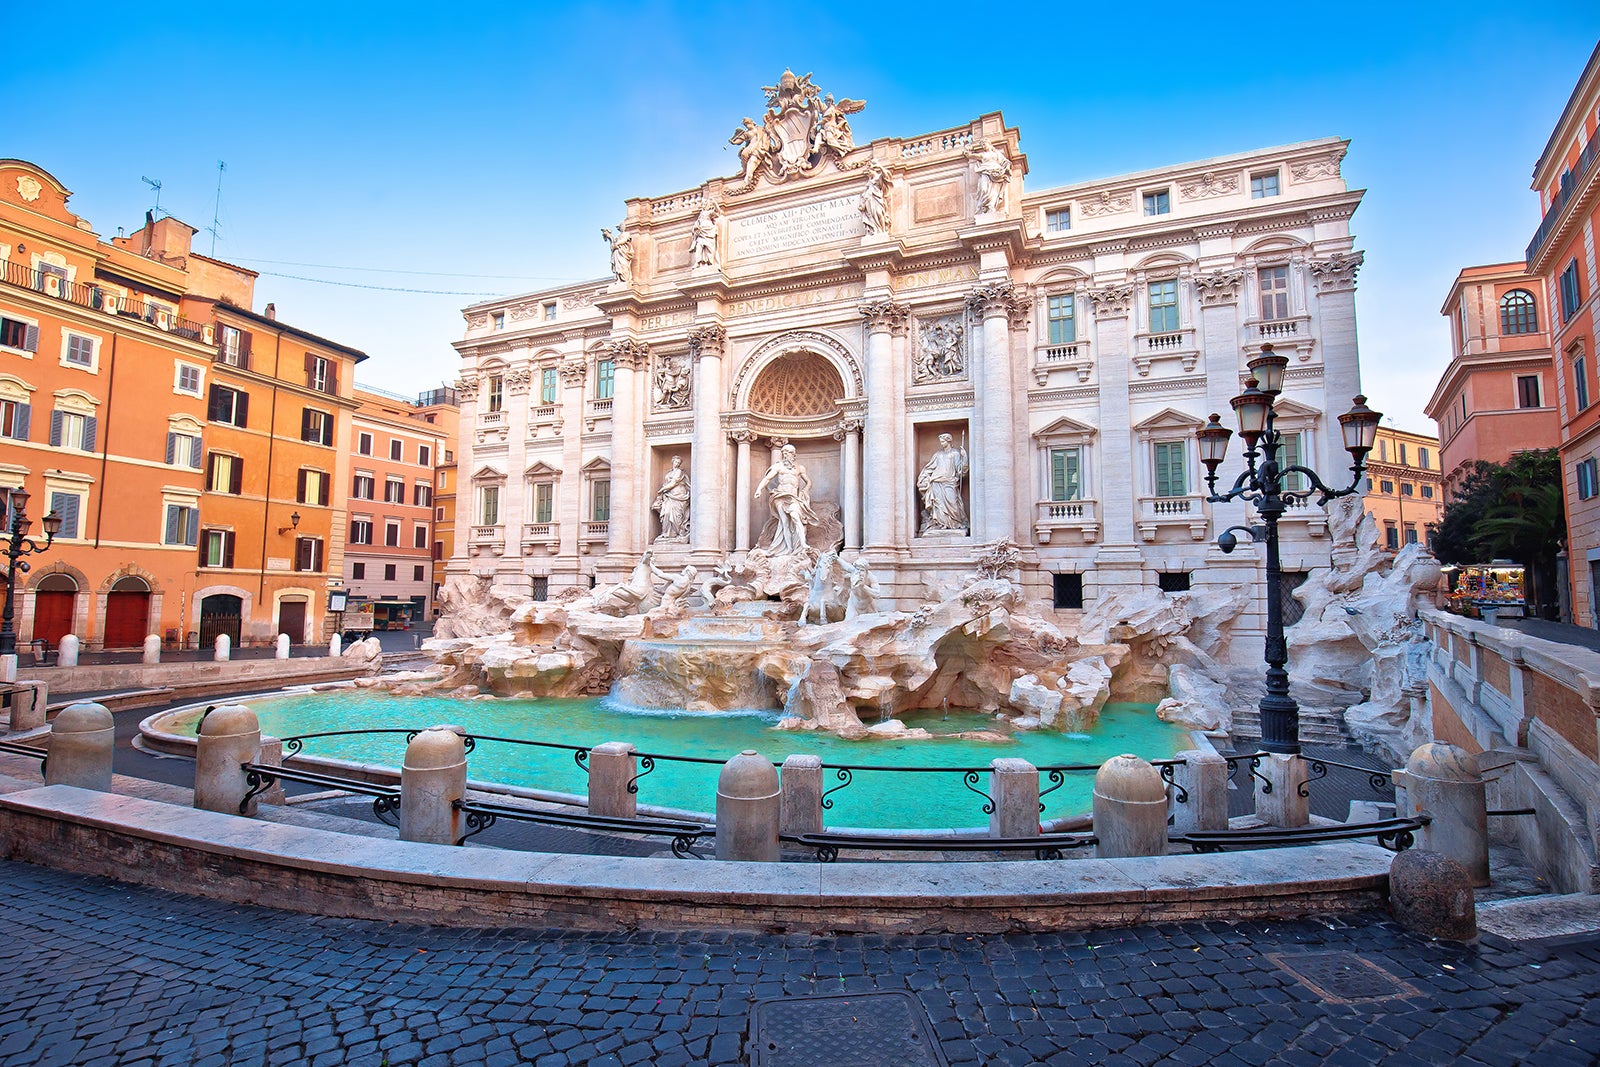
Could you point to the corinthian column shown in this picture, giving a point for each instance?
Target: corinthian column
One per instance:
(741, 489)
(994, 458)
(708, 474)
(627, 357)
(569, 505)
(884, 318)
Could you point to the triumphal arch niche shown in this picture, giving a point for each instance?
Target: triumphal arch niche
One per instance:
(923, 357)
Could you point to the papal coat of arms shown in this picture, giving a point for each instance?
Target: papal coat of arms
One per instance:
(801, 130)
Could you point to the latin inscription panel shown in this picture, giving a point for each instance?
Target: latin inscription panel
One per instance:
(820, 223)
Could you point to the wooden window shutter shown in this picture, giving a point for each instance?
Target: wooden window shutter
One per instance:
(305, 424)
(211, 471)
(30, 340)
(172, 447)
(333, 376)
(195, 452)
(91, 428)
(174, 531)
(300, 487)
(322, 490)
(311, 367)
(204, 544)
(244, 351)
(20, 421)
(241, 415)
(214, 403)
(55, 429)
(227, 544)
(235, 475)
(191, 529)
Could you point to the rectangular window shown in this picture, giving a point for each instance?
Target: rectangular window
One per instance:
(312, 487)
(183, 526)
(22, 336)
(233, 347)
(361, 532)
(1587, 479)
(308, 553)
(1422, 458)
(67, 506)
(388, 572)
(183, 450)
(1062, 316)
(1386, 487)
(1158, 203)
(1274, 285)
(230, 406)
(499, 320)
(549, 311)
(396, 450)
(547, 386)
(601, 510)
(216, 548)
(69, 429)
(322, 374)
(1293, 455)
(1427, 492)
(1580, 379)
(363, 487)
(364, 444)
(419, 537)
(543, 501)
(394, 491)
(1173, 581)
(417, 573)
(605, 377)
(1571, 294)
(358, 570)
(495, 395)
(1067, 590)
(1065, 468)
(1172, 468)
(1391, 535)
(1163, 307)
(489, 506)
(316, 427)
(1411, 533)
(187, 380)
(1407, 489)
(424, 456)
(224, 474)
(422, 496)
(1263, 185)
(1058, 221)
(14, 419)
(1527, 390)
(541, 587)
(391, 534)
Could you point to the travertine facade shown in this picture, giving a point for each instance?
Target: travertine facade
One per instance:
(857, 303)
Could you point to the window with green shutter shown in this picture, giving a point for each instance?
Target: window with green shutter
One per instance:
(1291, 453)
(1171, 468)
(1065, 480)
(602, 500)
(543, 498)
(1062, 319)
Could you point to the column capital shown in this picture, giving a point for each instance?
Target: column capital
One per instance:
(518, 379)
(707, 340)
(574, 371)
(885, 315)
(1111, 301)
(1337, 273)
(743, 437)
(1000, 298)
(628, 353)
(1219, 286)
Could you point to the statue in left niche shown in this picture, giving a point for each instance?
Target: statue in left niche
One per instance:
(704, 252)
(672, 503)
(621, 244)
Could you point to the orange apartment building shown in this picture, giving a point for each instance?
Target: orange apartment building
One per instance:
(397, 446)
(1562, 255)
(1404, 487)
(102, 411)
(1497, 396)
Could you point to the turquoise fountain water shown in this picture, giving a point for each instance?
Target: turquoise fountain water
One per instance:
(872, 799)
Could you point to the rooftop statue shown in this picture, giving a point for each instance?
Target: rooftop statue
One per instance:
(801, 130)
(621, 244)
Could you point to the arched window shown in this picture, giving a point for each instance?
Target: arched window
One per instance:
(1518, 313)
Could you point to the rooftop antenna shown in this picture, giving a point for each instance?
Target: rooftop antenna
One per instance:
(217, 208)
(154, 183)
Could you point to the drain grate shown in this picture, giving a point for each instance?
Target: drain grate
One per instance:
(1342, 977)
(883, 1029)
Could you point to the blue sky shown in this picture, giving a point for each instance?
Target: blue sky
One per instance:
(492, 148)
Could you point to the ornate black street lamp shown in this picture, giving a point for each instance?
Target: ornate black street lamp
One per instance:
(1262, 484)
(18, 544)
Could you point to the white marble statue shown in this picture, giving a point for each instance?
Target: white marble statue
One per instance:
(755, 148)
(829, 127)
(705, 238)
(627, 597)
(874, 202)
(818, 578)
(790, 501)
(672, 596)
(621, 244)
(672, 502)
(673, 383)
(862, 598)
(940, 485)
(994, 177)
(939, 351)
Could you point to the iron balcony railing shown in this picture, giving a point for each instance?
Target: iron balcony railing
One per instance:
(1570, 184)
(105, 300)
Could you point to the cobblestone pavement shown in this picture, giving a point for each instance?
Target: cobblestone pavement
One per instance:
(101, 973)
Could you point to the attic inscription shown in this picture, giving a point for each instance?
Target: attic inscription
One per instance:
(823, 222)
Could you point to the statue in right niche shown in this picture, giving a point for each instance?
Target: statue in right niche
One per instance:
(943, 512)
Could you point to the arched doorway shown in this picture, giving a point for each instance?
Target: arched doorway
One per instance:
(220, 613)
(127, 613)
(55, 604)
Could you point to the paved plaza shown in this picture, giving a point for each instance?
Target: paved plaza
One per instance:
(102, 973)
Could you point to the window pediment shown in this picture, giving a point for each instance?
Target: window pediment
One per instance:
(541, 469)
(1065, 431)
(486, 475)
(1169, 419)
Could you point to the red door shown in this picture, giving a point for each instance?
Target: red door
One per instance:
(52, 615)
(127, 619)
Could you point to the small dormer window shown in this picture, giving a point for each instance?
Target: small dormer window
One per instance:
(499, 320)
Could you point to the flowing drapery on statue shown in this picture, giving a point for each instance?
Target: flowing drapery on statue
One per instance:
(790, 500)
(943, 512)
(672, 502)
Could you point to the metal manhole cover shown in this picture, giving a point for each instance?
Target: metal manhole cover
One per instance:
(1342, 977)
(883, 1029)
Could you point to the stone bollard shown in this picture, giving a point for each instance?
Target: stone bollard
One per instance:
(1203, 775)
(1014, 795)
(748, 809)
(802, 795)
(222, 647)
(152, 649)
(612, 767)
(1130, 809)
(67, 651)
(230, 737)
(432, 778)
(1431, 894)
(335, 646)
(1283, 800)
(82, 740)
(282, 650)
(28, 702)
(1443, 782)
(8, 668)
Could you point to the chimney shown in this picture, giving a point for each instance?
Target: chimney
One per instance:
(271, 312)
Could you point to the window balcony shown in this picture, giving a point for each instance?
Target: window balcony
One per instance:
(595, 532)
(1157, 513)
(600, 407)
(1178, 344)
(1293, 333)
(53, 284)
(1300, 520)
(1073, 356)
(487, 540)
(1066, 520)
(491, 418)
(541, 535)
